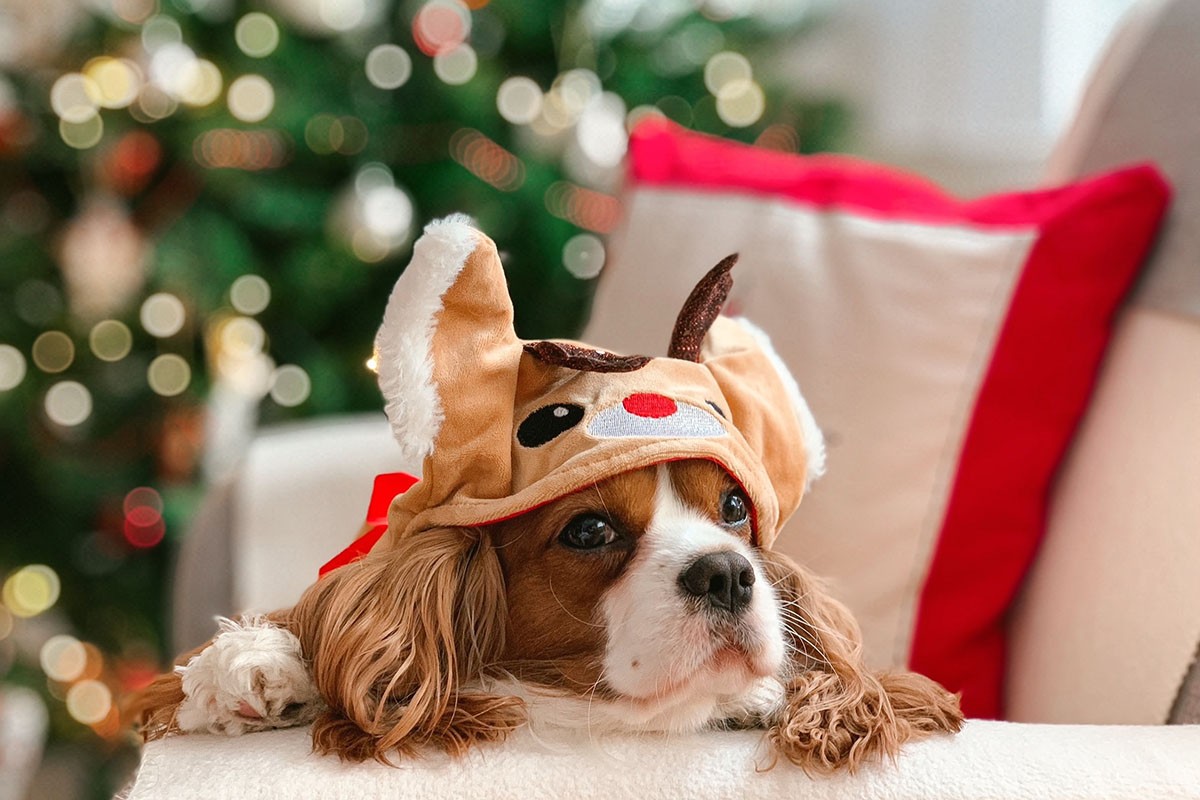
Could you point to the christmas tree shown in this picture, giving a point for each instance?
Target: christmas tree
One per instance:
(203, 206)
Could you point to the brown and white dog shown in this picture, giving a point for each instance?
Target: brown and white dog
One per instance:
(589, 547)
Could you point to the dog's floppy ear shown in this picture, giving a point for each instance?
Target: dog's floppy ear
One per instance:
(836, 712)
(447, 351)
(398, 643)
(765, 403)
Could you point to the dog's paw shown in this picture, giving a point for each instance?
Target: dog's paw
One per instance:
(251, 678)
(753, 708)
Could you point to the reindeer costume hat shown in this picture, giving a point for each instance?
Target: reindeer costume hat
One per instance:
(505, 425)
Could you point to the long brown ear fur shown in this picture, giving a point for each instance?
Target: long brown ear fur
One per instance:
(836, 713)
(153, 708)
(395, 640)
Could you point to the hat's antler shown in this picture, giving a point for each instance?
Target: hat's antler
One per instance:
(700, 310)
(584, 359)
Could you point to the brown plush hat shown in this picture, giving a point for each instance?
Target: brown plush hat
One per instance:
(505, 426)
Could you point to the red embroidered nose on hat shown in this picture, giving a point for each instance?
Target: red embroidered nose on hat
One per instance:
(649, 405)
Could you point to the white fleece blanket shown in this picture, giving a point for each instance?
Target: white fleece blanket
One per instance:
(987, 760)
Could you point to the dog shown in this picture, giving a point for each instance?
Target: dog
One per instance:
(589, 547)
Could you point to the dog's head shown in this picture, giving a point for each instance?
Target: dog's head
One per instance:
(645, 598)
(596, 526)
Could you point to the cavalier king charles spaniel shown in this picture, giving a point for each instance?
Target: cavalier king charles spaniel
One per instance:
(594, 554)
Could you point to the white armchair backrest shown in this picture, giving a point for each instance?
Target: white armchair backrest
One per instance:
(298, 498)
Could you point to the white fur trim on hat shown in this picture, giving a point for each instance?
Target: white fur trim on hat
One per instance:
(404, 343)
(814, 440)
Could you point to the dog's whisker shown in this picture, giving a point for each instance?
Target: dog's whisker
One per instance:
(567, 611)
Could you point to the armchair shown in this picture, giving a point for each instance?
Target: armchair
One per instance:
(1102, 637)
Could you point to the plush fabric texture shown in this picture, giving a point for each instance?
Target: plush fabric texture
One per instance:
(493, 414)
(947, 347)
(986, 760)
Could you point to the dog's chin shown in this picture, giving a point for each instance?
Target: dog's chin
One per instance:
(729, 688)
(728, 682)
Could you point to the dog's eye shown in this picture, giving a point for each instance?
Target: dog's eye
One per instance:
(587, 532)
(734, 508)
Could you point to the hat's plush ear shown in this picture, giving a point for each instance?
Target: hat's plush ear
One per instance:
(447, 351)
(766, 407)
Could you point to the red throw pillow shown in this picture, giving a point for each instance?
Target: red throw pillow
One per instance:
(947, 348)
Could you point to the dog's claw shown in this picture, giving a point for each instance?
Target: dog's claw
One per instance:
(246, 710)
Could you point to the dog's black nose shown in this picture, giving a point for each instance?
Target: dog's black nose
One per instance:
(723, 580)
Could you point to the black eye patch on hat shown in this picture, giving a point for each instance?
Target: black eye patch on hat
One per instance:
(547, 423)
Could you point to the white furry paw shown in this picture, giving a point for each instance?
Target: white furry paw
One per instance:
(251, 678)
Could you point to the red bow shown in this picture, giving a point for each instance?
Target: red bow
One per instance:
(387, 487)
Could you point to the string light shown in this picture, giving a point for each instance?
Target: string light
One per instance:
(342, 15)
(251, 98)
(242, 337)
(372, 176)
(741, 103)
(153, 104)
(584, 208)
(583, 256)
(576, 88)
(31, 590)
(110, 340)
(144, 526)
(457, 65)
(724, 68)
(68, 403)
(168, 375)
(229, 148)
(290, 385)
(82, 135)
(601, 131)
(63, 658)
(387, 212)
(117, 81)
(95, 662)
(256, 35)
(75, 98)
(53, 351)
(162, 315)
(779, 137)
(519, 100)
(160, 31)
(441, 25)
(200, 83)
(89, 702)
(487, 160)
(12, 367)
(250, 294)
(388, 66)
